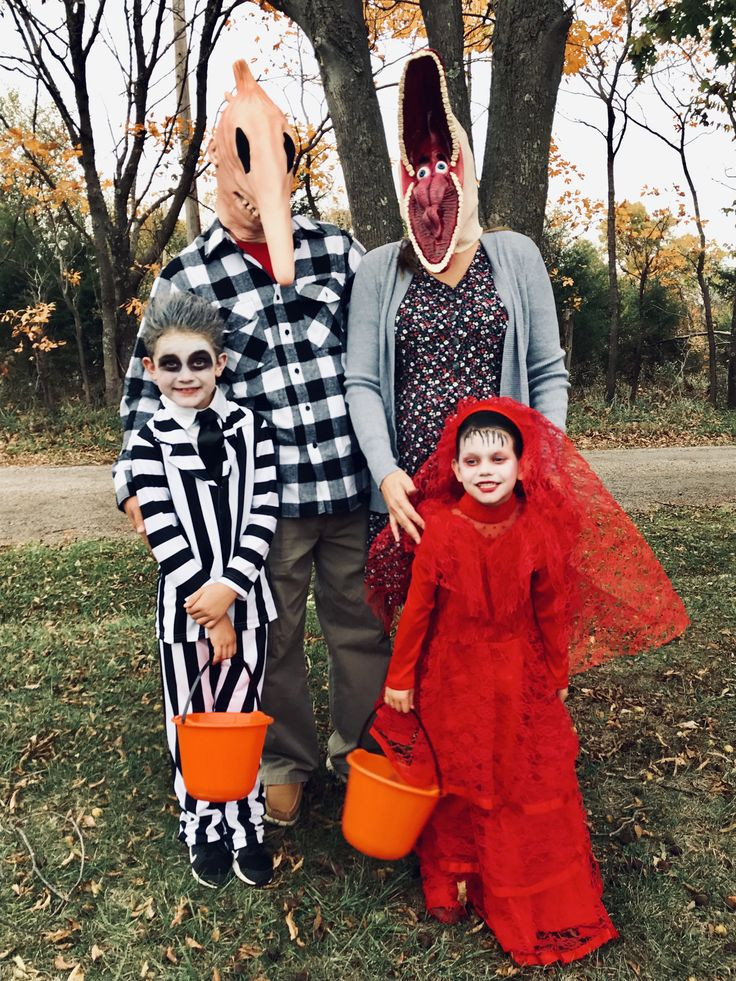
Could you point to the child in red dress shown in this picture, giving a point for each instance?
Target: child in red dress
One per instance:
(527, 569)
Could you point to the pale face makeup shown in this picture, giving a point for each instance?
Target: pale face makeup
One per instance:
(487, 466)
(186, 368)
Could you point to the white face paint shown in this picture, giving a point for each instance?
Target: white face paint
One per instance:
(487, 466)
(186, 368)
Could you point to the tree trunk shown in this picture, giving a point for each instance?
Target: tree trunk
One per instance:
(43, 386)
(528, 53)
(709, 329)
(338, 34)
(568, 323)
(72, 307)
(731, 386)
(181, 63)
(640, 339)
(702, 281)
(445, 33)
(614, 301)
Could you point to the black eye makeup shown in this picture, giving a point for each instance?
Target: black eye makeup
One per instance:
(197, 361)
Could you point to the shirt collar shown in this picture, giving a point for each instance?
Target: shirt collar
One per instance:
(301, 226)
(483, 513)
(186, 416)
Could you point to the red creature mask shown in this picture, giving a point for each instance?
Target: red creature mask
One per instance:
(439, 197)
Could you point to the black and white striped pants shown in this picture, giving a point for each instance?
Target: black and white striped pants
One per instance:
(226, 687)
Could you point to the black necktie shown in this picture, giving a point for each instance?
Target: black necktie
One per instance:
(210, 443)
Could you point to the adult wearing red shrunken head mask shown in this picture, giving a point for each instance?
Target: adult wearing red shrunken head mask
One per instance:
(449, 312)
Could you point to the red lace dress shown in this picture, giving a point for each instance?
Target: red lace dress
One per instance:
(502, 603)
(513, 825)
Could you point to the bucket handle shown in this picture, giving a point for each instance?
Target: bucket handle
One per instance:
(435, 761)
(198, 679)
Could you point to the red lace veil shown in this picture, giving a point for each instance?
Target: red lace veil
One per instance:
(619, 598)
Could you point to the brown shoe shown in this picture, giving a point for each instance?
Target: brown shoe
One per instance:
(283, 801)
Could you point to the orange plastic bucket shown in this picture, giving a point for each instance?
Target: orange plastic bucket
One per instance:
(383, 816)
(220, 752)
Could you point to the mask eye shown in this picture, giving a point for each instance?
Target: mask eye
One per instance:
(441, 167)
(423, 172)
(243, 148)
(290, 152)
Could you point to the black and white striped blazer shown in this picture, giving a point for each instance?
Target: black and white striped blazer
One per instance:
(204, 531)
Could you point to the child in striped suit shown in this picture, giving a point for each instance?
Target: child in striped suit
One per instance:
(204, 473)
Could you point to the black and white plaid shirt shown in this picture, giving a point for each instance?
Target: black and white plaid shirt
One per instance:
(285, 350)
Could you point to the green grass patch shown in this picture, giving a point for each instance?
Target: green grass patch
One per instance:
(659, 417)
(83, 741)
(71, 435)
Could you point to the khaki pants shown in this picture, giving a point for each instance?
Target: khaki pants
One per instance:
(357, 645)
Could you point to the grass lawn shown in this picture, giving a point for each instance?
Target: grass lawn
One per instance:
(84, 779)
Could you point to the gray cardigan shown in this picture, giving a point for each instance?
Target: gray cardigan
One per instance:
(532, 369)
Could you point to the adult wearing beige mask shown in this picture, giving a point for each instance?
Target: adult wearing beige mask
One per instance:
(281, 284)
(447, 313)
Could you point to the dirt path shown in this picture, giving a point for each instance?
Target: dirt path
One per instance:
(62, 504)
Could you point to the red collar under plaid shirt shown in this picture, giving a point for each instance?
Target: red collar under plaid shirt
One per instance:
(285, 347)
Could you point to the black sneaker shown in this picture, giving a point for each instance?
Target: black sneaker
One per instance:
(253, 864)
(211, 863)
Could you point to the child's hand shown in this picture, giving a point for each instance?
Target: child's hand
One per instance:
(222, 638)
(210, 603)
(562, 694)
(402, 701)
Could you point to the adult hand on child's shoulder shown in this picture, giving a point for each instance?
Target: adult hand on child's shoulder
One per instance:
(135, 517)
(396, 488)
(562, 694)
(210, 603)
(402, 701)
(222, 638)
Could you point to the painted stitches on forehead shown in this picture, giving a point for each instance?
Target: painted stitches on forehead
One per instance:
(197, 361)
(490, 437)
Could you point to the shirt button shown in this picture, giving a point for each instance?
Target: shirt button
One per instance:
(296, 371)
(287, 331)
(307, 408)
(314, 446)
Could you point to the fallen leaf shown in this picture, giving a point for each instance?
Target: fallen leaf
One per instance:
(215, 934)
(54, 936)
(216, 974)
(96, 952)
(77, 974)
(171, 956)
(731, 903)
(62, 964)
(192, 943)
(182, 912)
(318, 927)
(293, 928)
(145, 909)
(246, 951)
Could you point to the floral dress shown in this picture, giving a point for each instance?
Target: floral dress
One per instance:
(449, 344)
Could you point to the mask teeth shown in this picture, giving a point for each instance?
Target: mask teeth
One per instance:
(251, 207)
(445, 105)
